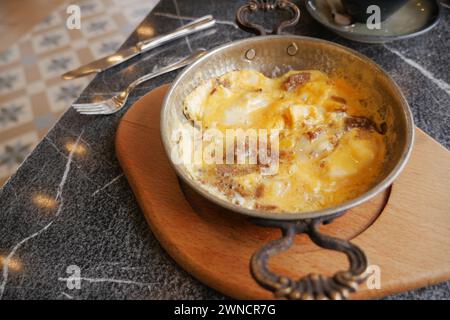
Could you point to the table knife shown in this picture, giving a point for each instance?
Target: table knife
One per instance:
(142, 46)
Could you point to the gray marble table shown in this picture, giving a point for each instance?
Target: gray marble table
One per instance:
(69, 208)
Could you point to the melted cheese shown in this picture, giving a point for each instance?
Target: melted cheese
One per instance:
(322, 162)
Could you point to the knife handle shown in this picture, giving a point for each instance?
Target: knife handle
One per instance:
(197, 25)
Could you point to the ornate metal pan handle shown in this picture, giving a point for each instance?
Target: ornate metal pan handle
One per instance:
(266, 5)
(311, 286)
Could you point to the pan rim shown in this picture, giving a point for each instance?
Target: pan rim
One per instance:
(253, 213)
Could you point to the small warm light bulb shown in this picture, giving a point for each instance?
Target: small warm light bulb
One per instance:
(13, 264)
(115, 58)
(78, 149)
(145, 32)
(44, 201)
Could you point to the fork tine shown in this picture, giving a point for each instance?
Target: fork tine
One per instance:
(89, 103)
(93, 108)
(96, 112)
(93, 113)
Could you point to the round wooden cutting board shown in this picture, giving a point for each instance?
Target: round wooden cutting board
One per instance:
(404, 231)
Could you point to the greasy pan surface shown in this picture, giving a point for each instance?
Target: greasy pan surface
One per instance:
(271, 58)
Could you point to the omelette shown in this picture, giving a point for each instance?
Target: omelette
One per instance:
(330, 139)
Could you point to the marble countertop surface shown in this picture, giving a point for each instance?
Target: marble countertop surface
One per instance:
(69, 212)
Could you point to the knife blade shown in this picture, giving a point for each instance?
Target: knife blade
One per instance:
(125, 54)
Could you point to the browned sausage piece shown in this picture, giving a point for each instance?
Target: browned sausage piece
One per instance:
(296, 80)
(359, 122)
(259, 191)
(364, 123)
(235, 169)
(314, 133)
(265, 207)
(338, 99)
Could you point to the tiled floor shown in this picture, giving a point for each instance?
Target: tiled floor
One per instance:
(32, 95)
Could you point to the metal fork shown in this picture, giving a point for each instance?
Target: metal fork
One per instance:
(114, 104)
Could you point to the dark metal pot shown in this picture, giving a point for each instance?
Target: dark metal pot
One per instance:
(281, 53)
